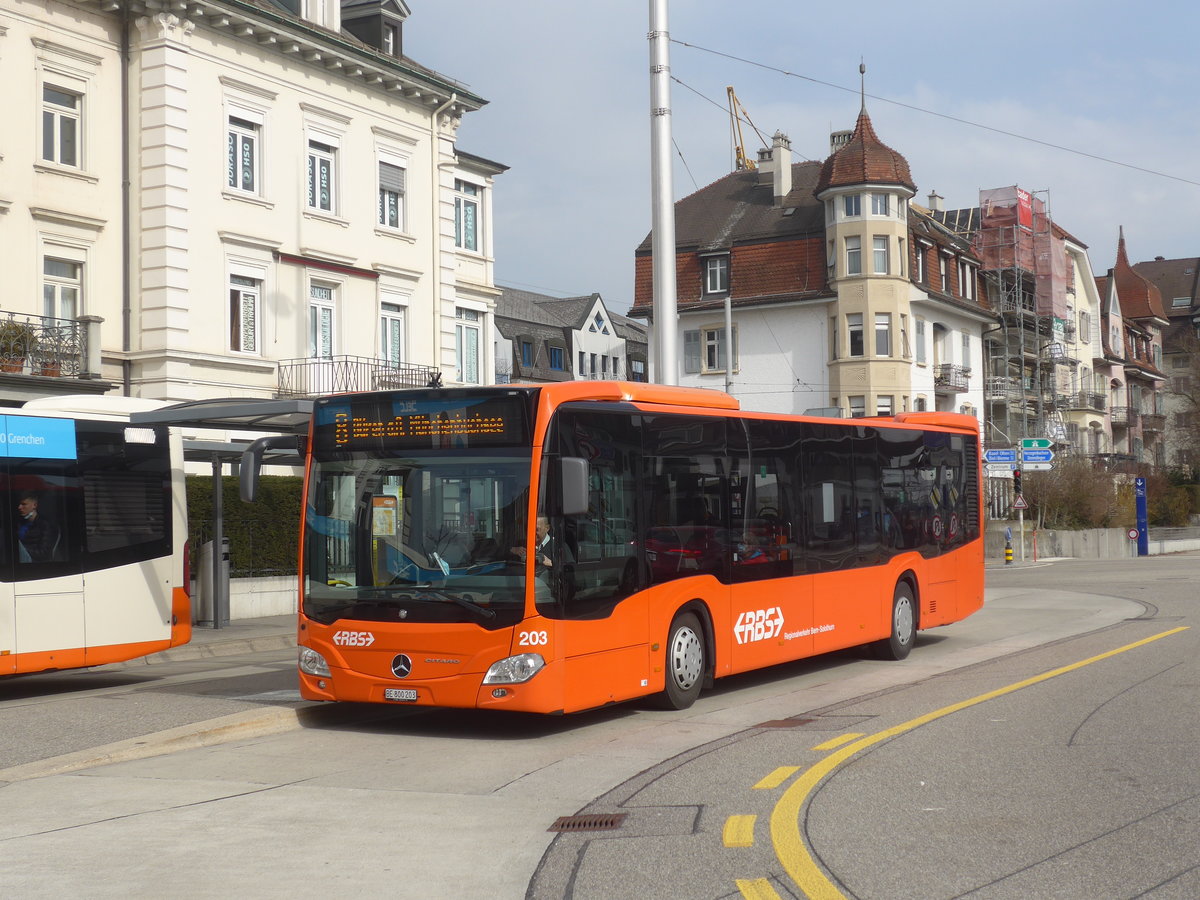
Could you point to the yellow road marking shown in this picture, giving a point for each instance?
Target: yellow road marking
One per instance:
(758, 889)
(776, 778)
(739, 831)
(836, 742)
(790, 850)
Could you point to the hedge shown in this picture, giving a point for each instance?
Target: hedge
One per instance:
(264, 536)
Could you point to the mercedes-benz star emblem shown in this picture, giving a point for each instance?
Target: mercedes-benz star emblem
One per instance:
(401, 666)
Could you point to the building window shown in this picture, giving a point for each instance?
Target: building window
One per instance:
(599, 325)
(881, 254)
(833, 338)
(1085, 327)
(466, 215)
(905, 349)
(389, 40)
(62, 113)
(966, 280)
(1177, 302)
(854, 327)
(852, 205)
(391, 333)
(243, 313)
(966, 350)
(919, 404)
(241, 156)
(881, 205)
(883, 334)
(884, 405)
(704, 350)
(320, 321)
(858, 406)
(62, 288)
(919, 325)
(582, 363)
(944, 267)
(556, 358)
(592, 367)
(466, 345)
(391, 195)
(691, 352)
(716, 275)
(616, 366)
(919, 274)
(853, 255)
(637, 370)
(526, 353)
(322, 173)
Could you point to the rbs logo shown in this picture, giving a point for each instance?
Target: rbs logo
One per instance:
(758, 625)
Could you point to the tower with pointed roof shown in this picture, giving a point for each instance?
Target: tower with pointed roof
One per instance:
(865, 187)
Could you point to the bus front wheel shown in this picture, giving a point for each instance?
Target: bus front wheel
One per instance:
(686, 662)
(904, 625)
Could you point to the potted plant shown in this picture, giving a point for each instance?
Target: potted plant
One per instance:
(17, 341)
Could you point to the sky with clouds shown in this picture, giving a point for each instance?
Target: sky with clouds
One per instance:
(1091, 102)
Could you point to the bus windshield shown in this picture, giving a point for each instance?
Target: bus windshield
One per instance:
(419, 538)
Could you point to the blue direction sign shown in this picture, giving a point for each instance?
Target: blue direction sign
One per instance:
(1000, 456)
(1037, 456)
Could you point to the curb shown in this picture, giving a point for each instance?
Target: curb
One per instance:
(212, 649)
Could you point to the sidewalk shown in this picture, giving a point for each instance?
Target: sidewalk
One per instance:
(239, 636)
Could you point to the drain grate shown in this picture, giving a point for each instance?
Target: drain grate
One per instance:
(600, 822)
(785, 723)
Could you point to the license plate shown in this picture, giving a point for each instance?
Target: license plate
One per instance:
(406, 694)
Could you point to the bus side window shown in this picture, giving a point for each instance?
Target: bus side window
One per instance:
(827, 453)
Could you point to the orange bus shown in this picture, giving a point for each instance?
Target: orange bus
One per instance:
(555, 548)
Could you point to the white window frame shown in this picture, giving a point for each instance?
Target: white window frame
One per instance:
(883, 334)
(57, 286)
(468, 196)
(919, 340)
(853, 244)
(322, 319)
(854, 327)
(851, 206)
(881, 204)
(468, 345)
(966, 349)
(245, 301)
(716, 274)
(393, 328)
(885, 405)
(857, 405)
(713, 357)
(390, 193)
(54, 116)
(321, 149)
(881, 254)
(243, 126)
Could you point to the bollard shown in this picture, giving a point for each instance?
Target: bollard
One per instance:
(1008, 553)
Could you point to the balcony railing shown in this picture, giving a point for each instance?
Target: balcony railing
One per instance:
(1153, 421)
(41, 345)
(339, 374)
(1125, 416)
(1000, 387)
(947, 377)
(1088, 400)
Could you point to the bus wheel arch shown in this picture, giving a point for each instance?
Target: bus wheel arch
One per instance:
(904, 619)
(687, 657)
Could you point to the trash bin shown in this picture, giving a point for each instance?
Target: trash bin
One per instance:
(206, 602)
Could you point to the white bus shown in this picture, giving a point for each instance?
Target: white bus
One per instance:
(93, 535)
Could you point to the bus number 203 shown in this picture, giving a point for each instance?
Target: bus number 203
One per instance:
(532, 639)
(758, 625)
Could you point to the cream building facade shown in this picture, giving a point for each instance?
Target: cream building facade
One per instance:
(254, 201)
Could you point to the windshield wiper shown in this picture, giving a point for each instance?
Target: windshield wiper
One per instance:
(398, 593)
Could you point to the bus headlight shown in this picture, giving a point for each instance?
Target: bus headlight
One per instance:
(514, 669)
(313, 663)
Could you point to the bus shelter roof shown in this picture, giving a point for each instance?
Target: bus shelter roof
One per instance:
(255, 414)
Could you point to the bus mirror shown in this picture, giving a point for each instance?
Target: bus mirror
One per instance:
(252, 458)
(574, 485)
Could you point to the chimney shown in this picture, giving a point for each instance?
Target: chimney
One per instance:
(781, 155)
(838, 140)
(1159, 259)
(935, 201)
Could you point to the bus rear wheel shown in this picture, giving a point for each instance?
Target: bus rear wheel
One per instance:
(904, 625)
(686, 662)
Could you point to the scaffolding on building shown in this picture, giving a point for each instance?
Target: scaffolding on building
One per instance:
(1031, 375)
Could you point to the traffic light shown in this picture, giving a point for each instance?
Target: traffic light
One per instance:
(1017, 482)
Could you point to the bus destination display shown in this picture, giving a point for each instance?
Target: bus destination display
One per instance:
(406, 422)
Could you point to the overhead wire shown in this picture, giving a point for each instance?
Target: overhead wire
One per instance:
(940, 115)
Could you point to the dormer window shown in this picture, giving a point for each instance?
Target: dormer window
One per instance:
(389, 40)
(716, 274)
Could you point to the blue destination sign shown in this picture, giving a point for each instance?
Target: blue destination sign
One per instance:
(1000, 456)
(37, 437)
(1037, 456)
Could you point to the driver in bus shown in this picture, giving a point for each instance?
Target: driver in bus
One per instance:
(545, 548)
(37, 535)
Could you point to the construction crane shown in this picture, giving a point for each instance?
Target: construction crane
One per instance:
(737, 112)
